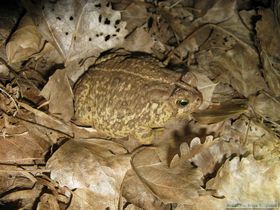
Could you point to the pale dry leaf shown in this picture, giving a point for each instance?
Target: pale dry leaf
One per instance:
(211, 153)
(135, 15)
(18, 144)
(227, 64)
(266, 106)
(257, 139)
(177, 184)
(268, 33)
(136, 193)
(220, 44)
(221, 112)
(204, 202)
(85, 199)
(224, 93)
(206, 87)
(140, 40)
(24, 42)
(13, 177)
(45, 125)
(96, 165)
(45, 60)
(4, 71)
(59, 93)
(47, 201)
(178, 18)
(25, 197)
(234, 181)
(224, 14)
(79, 29)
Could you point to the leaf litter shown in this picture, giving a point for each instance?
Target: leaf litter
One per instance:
(226, 156)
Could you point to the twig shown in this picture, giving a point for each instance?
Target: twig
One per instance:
(26, 170)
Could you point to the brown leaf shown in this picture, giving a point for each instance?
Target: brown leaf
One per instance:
(206, 87)
(24, 42)
(86, 199)
(204, 202)
(266, 106)
(19, 145)
(268, 33)
(48, 201)
(47, 125)
(140, 40)
(176, 184)
(96, 165)
(59, 93)
(208, 156)
(256, 138)
(221, 112)
(137, 193)
(220, 44)
(234, 181)
(25, 198)
(81, 29)
(135, 14)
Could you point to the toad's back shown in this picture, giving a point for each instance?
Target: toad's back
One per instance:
(122, 95)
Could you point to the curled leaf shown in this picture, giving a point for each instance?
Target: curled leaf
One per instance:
(234, 181)
(24, 42)
(178, 183)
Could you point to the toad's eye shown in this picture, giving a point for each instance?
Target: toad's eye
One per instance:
(182, 102)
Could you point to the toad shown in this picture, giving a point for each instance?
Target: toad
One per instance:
(127, 96)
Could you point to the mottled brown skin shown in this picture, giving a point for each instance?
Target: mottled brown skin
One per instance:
(126, 96)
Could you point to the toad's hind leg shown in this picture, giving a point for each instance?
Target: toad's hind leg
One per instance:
(147, 135)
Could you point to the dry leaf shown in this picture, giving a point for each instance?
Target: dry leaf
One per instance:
(59, 93)
(4, 70)
(266, 106)
(211, 154)
(222, 48)
(257, 139)
(135, 15)
(79, 29)
(221, 112)
(268, 33)
(47, 201)
(45, 126)
(18, 144)
(24, 42)
(95, 165)
(234, 181)
(85, 199)
(204, 202)
(206, 87)
(178, 16)
(24, 198)
(140, 40)
(137, 193)
(178, 183)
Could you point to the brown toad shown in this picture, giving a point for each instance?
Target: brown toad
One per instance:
(127, 96)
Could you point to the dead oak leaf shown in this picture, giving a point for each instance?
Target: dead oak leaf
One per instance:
(24, 42)
(135, 192)
(78, 29)
(59, 93)
(95, 165)
(176, 184)
(268, 33)
(234, 181)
